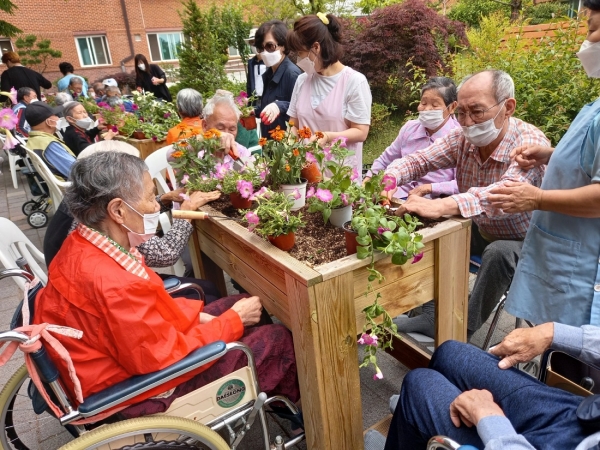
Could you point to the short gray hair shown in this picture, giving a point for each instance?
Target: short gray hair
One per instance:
(75, 80)
(69, 107)
(111, 145)
(444, 86)
(62, 97)
(189, 103)
(113, 89)
(221, 97)
(100, 178)
(502, 84)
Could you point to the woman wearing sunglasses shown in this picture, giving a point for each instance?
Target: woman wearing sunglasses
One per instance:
(329, 97)
(278, 80)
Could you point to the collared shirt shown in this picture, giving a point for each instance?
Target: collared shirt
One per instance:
(475, 178)
(131, 262)
(188, 127)
(412, 137)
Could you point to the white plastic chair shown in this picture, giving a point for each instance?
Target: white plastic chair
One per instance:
(160, 169)
(13, 245)
(56, 186)
(12, 162)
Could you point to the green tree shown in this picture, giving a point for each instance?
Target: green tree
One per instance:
(208, 36)
(471, 11)
(7, 29)
(36, 54)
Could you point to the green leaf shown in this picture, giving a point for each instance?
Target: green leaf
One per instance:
(363, 252)
(326, 214)
(363, 240)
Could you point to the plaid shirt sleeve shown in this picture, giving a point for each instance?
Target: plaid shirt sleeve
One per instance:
(475, 201)
(442, 154)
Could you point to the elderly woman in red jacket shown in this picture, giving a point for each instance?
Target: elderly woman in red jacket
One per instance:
(98, 283)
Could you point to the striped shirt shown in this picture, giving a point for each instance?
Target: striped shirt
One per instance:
(475, 178)
(131, 262)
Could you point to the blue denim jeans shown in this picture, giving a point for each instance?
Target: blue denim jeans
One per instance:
(545, 416)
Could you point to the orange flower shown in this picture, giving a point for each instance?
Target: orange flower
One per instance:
(262, 141)
(207, 134)
(304, 133)
(177, 154)
(216, 132)
(319, 134)
(291, 122)
(296, 152)
(287, 168)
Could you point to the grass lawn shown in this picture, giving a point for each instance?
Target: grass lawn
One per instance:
(379, 139)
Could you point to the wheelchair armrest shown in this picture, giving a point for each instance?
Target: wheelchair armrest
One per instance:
(171, 283)
(134, 386)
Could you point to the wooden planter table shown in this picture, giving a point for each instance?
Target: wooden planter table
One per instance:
(322, 307)
(145, 146)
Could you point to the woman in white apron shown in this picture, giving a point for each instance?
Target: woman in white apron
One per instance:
(329, 97)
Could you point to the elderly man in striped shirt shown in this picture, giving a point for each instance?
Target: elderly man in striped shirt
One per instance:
(479, 151)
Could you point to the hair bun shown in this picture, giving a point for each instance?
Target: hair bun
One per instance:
(334, 27)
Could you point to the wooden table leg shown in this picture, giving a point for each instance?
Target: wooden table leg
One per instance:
(452, 286)
(324, 329)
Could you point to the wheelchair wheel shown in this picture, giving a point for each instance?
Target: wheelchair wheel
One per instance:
(20, 424)
(29, 207)
(37, 219)
(153, 432)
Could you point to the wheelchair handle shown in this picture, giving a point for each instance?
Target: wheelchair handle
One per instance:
(47, 369)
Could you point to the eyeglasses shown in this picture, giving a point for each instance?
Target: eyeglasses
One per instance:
(475, 115)
(269, 46)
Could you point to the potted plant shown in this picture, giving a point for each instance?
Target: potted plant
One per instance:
(273, 219)
(240, 186)
(129, 125)
(248, 119)
(335, 195)
(285, 154)
(112, 117)
(156, 117)
(311, 169)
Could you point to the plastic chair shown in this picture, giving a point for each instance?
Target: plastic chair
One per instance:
(13, 245)
(160, 169)
(56, 186)
(12, 162)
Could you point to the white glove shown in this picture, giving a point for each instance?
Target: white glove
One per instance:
(269, 113)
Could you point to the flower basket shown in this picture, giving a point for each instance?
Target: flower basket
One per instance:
(239, 202)
(283, 242)
(312, 173)
(249, 123)
(297, 192)
(339, 216)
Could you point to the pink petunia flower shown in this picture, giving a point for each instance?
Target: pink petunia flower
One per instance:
(167, 115)
(354, 175)
(221, 169)
(378, 375)
(260, 193)
(324, 195)
(328, 154)
(263, 175)
(185, 179)
(344, 198)
(389, 182)
(201, 154)
(367, 339)
(114, 129)
(382, 230)
(184, 196)
(417, 258)
(252, 219)
(310, 157)
(311, 192)
(244, 188)
(135, 107)
(342, 140)
(296, 194)
(8, 119)
(11, 141)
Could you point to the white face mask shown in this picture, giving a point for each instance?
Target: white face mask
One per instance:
(150, 225)
(432, 119)
(33, 100)
(62, 123)
(482, 134)
(589, 55)
(142, 66)
(85, 123)
(307, 65)
(270, 59)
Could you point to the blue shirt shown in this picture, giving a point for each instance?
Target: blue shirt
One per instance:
(60, 158)
(63, 84)
(558, 276)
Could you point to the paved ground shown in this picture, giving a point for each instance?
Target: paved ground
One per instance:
(46, 434)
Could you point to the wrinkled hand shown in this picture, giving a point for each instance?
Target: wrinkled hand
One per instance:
(523, 344)
(249, 310)
(198, 199)
(109, 135)
(422, 191)
(514, 197)
(424, 207)
(529, 156)
(269, 113)
(472, 406)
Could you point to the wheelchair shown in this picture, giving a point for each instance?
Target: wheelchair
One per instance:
(216, 416)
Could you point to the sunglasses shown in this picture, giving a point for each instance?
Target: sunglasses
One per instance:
(269, 46)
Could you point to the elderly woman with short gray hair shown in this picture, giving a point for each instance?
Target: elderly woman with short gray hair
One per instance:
(99, 283)
(189, 105)
(436, 120)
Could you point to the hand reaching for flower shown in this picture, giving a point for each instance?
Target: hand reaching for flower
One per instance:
(197, 199)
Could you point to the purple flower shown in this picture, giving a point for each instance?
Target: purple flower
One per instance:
(328, 155)
(104, 105)
(354, 175)
(417, 258)
(311, 192)
(185, 179)
(310, 157)
(367, 339)
(184, 196)
(167, 115)
(324, 195)
(8, 119)
(114, 129)
(244, 188)
(10, 141)
(342, 140)
(389, 182)
(260, 193)
(296, 194)
(382, 230)
(201, 154)
(344, 198)
(135, 107)
(263, 175)
(252, 219)
(378, 375)
(221, 169)
(154, 138)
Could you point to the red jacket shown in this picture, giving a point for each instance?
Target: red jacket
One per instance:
(130, 326)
